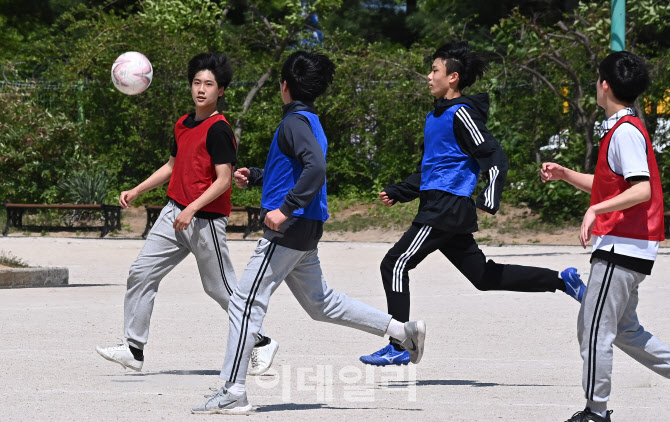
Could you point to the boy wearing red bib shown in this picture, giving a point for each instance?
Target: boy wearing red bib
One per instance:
(626, 219)
(195, 218)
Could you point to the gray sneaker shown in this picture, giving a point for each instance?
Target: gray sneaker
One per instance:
(416, 334)
(120, 354)
(224, 402)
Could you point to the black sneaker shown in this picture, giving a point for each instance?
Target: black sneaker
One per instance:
(587, 416)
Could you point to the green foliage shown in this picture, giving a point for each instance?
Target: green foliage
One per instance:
(373, 115)
(547, 81)
(248, 197)
(175, 16)
(156, 196)
(373, 21)
(37, 148)
(541, 83)
(89, 186)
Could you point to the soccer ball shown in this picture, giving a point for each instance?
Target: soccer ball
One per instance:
(132, 73)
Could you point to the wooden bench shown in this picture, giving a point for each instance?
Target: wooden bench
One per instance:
(111, 214)
(253, 219)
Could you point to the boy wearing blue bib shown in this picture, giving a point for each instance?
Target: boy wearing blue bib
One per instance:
(294, 208)
(457, 147)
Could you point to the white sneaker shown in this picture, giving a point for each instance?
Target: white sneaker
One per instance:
(120, 354)
(261, 358)
(224, 402)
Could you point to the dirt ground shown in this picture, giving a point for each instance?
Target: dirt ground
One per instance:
(502, 230)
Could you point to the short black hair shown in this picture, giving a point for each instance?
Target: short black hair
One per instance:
(218, 64)
(307, 75)
(459, 58)
(626, 74)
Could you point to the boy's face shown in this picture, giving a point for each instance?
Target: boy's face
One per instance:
(204, 89)
(438, 80)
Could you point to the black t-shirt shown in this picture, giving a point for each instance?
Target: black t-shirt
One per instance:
(220, 144)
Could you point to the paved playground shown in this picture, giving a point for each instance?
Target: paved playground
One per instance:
(489, 356)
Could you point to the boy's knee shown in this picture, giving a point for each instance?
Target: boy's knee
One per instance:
(481, 285)
(318, 316)
(388, 263)
(386, 268)
(135, 276)
(322, 309)
(219, 295)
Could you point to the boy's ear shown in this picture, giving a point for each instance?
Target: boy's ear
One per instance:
(221, 91)
(284, 88)
(454, 77)
(606, 86)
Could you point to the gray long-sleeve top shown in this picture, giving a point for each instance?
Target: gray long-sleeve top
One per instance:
(296, 140)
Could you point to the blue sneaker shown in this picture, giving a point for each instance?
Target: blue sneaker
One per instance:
(574, 286)
(387, 356)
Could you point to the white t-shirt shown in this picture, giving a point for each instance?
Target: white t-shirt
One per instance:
(626, 156)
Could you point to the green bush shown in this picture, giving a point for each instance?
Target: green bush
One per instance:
(38, 147)
(86, 186)
(247, 197)
(373, 114)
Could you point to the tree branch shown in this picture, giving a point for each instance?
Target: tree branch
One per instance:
(265, 22)
(419, 75)
(582, 38)
(279, 47)
(247, 103)
(546, 81)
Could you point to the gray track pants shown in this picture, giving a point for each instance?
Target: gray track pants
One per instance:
(268, 267)
(608, 316)
(164, 249)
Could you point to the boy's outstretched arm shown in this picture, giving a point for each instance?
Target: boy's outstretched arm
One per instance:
(476, 140)
(553, 171)
(251, 176)
(158, 178)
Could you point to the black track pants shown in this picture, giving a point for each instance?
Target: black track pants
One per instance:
(462, 251)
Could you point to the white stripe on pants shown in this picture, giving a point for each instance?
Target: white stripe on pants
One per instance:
(608, 316)
(164, 249)
(269, 265)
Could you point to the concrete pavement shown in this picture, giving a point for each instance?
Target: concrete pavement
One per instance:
(489, 355)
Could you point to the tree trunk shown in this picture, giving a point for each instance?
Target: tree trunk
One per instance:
(247, 103)
(589, 158)
(588, 150)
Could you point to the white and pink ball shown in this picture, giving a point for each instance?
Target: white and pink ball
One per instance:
(132, 73)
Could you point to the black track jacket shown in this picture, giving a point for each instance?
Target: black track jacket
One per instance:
(443, 210)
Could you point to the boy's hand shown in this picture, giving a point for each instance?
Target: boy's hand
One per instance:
(183, 219)
(241, 177)
(552, 171)
(383, 196)
(127, 196)
(274, 219)
(587, 226)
